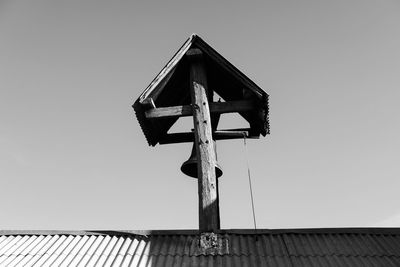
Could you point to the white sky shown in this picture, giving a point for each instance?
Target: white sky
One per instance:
(72, 155)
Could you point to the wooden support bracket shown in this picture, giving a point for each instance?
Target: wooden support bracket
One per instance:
(187, 137)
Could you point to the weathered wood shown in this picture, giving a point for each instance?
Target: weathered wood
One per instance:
(207, 182)
(186, 110)
(187, 137)
(171, 87)
(169, 112)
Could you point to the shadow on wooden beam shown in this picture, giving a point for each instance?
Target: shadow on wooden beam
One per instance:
(217, 135)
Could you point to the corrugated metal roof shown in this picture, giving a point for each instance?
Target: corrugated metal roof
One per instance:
(301, 247)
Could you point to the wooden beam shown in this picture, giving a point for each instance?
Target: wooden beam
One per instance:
(206, 157)
(188, 137)
(232, 106)
(186, 110)
(169, 112)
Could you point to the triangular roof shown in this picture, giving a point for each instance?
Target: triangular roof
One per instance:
(171, 88)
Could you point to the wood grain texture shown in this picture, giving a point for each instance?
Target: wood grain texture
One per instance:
(171, 88)
(187, 137)
(207, 182)
(186, 110)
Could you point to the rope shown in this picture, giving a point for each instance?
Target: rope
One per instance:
(250, 187)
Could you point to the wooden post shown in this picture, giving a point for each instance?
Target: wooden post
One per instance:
(207, 181)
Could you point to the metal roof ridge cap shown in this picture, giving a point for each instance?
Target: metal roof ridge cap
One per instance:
(324, 230)
(343, 230)
(48, 232)
(101, 232)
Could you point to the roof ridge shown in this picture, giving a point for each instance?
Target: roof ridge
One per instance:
(362, 230)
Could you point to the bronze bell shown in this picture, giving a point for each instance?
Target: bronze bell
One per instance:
(189, 167)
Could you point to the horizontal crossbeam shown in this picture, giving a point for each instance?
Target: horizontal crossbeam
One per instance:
(173, 138)
(186, 110)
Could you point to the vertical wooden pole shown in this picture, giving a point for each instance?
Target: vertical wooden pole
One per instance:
(207, 181)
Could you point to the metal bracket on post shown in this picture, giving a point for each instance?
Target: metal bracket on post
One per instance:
(211, 244)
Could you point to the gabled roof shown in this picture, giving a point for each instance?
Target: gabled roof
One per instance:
(292, 247)
(171, 88)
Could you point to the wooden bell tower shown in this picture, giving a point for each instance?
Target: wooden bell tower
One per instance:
(185, 87)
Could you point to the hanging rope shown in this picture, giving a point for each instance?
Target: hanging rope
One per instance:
(249, 176)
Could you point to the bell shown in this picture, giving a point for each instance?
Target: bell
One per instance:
(189, 167)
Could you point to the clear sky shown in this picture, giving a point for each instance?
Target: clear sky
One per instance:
(72, 154)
